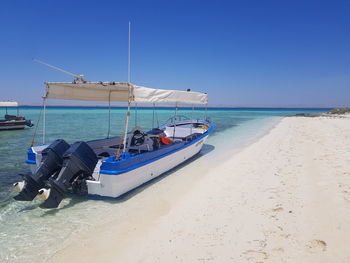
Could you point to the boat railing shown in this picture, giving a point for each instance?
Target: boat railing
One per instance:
(177, 118)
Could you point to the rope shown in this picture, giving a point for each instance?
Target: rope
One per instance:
(117, 153)
(37, 125)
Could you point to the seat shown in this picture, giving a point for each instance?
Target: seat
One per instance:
(139, 141)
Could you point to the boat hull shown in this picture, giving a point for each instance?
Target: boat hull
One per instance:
(12, 125)
(114, 185)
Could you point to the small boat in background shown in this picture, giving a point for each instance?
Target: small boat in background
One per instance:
(13, 122)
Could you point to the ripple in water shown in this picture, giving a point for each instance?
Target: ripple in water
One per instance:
(31, 234)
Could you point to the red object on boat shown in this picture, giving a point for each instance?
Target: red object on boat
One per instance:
(165, 140)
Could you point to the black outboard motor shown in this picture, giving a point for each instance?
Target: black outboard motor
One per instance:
(29, 123)
(78, 161)
(52, 159)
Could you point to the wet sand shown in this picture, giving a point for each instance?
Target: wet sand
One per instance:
(284, 198)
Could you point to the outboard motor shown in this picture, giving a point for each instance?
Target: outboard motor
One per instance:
(52, 159)
(29, 123)
(79, 161)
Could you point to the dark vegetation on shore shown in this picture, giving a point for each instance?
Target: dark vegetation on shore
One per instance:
(338, 111)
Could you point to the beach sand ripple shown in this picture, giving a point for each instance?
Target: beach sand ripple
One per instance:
(284, 198)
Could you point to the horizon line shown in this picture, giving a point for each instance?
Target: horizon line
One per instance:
(202, 106)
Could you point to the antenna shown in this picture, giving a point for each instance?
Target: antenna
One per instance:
(78, 77)
(129, 54)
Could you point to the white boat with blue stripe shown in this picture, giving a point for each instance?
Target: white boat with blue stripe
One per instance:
(111, 167)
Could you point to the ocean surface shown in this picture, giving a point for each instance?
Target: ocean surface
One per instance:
(30, 234)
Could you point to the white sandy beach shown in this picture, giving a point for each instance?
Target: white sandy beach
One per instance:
(284, 198)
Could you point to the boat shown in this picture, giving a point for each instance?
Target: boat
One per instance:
(13, 122)
(111, 167)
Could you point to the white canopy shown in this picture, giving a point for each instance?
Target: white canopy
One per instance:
(120, 91)
(8, 104)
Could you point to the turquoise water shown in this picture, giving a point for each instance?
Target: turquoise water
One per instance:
(28, 233)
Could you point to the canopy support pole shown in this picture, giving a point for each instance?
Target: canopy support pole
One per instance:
(175, 120)
(44, 120)
(135, 114)
(206, 111)
(156, 115)
(126, 127)
(153, 116)
(109, 114)
(192, 117)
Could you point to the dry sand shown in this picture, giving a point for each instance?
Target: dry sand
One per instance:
(284, 198)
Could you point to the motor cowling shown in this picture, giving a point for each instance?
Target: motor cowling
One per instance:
(29, 123)
(51, 163)
(79, 161)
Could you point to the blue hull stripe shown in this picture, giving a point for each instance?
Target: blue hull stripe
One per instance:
(116, 172)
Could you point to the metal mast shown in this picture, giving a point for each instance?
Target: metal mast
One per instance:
(129, 77)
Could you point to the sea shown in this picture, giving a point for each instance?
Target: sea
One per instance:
(31, 234)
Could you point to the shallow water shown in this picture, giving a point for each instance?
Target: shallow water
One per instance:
(28, 233)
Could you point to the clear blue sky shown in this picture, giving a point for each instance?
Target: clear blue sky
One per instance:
(243, 53)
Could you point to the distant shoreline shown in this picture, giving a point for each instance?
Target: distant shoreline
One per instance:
(186, 107)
